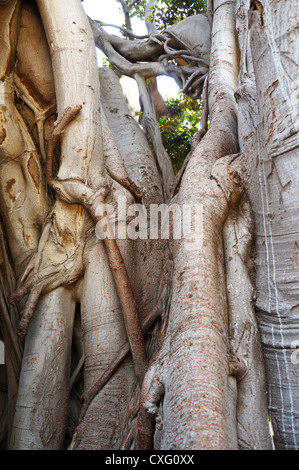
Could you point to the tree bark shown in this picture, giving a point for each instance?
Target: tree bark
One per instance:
(193, 374)
(270, 140)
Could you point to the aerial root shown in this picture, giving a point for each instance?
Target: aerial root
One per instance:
(149, 416)
(27, 313)
(115, 364)
(34, 280)
(34, 285)
(132, 187)
(67, 117)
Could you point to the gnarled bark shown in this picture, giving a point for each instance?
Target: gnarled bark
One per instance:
(269, 136)
(194, 374)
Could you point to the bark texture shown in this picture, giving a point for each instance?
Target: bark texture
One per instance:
(268, 129)
(195, 372)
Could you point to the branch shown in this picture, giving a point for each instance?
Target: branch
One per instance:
(126, 62)
(209, 11)
(139, 49)
(126, 13)
(152, 126)
(129, 32)
(133, 3)
(106, 43)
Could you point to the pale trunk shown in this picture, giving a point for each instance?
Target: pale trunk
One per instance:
(274, 48)
(193, 373)
(268, 131)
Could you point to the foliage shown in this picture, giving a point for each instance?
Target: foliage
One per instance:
(178, 130)
(136, 8)
(106, 62)
(166, 13)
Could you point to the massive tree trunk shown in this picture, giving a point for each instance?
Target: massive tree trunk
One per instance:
(121, 339)
(270, 49)
(206, 326)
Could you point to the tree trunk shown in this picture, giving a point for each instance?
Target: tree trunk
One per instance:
(274, 55)
(269, 140)
(200, 408)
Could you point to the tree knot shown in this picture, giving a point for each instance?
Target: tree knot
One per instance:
(237, 368)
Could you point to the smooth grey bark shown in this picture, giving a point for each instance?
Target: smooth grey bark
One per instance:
(44, 384)
(268, 130)
(245, 341)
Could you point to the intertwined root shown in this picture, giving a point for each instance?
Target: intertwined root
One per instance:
(27, 313)
(45, 280)
(58, 260)
(152, 393)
